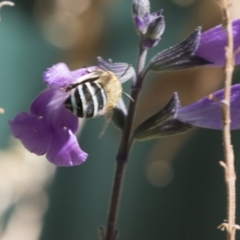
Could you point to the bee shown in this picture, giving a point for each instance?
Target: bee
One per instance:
(94, 94)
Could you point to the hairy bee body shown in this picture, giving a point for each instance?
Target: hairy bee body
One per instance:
(95, 94)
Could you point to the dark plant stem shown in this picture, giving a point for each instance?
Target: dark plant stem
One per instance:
(230, 176)
(124, 148)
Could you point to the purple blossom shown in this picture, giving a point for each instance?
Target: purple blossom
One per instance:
(197, 49)
(141, 15)
(206, 113)
(213, 42)
(149, 25)
(180, 56)
(154, 30)
(49, 127)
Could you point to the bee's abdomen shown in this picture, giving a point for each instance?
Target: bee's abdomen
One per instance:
(87, 100)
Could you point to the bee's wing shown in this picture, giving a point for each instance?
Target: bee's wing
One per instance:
(91, 76)
(86, 77)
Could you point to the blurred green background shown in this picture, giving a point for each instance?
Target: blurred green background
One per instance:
(174, 188)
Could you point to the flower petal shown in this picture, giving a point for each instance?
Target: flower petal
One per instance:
(64, 150)
(206, 113)
(140, 7)
(82, 71)
(213, 42)
(123, 71)
(140, 25)
(58, 75)
(49, 105)
(49, 127)
(33, 132)
(40, 103)
(156, 27)
(64, 118)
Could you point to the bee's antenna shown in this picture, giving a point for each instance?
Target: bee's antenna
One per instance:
(129, 65)
(87, 68)
(128, 96)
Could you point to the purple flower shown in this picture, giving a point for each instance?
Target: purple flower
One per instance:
(180, 56)
(206, 113)
(149, 25)
(141, 14)
(213, 42)
(49, 127)
(197, 49)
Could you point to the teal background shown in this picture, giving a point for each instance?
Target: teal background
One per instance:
(190, 207)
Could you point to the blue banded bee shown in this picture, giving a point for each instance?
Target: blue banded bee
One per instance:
(94, 94)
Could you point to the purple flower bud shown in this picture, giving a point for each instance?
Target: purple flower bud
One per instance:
(179, 56)
(149, 43)
(140, 25)
(163, 123)
(198, 49)
(149, 25)
(140, 8)
(213, 42)
(156, 26)
(206, 113)
(151, 28)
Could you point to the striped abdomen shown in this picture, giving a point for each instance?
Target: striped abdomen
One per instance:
(87, 100)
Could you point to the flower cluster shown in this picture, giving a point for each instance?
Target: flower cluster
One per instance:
(149, 25)
(49, 127)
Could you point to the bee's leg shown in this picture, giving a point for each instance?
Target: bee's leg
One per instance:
(108, 116)
(87, 69)
(70, 87)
